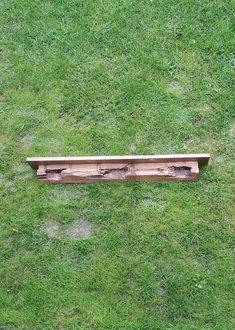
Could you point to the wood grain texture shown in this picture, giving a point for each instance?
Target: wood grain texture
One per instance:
(118, 168)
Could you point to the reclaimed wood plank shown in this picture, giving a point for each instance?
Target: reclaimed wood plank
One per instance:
(177, 167)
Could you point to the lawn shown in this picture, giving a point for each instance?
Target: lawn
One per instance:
(112, 78)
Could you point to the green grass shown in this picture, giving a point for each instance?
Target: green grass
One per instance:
(117, 77)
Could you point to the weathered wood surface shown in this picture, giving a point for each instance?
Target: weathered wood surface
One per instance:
(118, 168)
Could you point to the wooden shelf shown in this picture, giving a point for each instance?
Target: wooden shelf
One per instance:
(178, 167)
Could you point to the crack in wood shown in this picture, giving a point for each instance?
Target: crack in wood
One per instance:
(182, 170)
